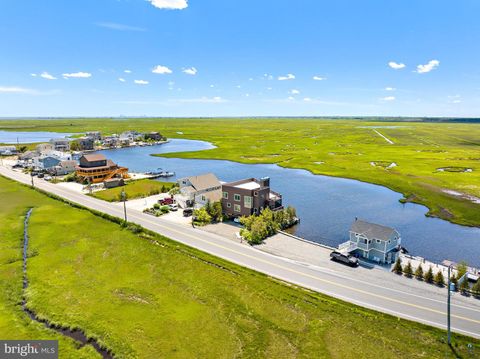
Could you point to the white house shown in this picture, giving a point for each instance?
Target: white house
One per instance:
(198, 190)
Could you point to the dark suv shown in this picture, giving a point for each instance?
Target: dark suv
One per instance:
(344, 258)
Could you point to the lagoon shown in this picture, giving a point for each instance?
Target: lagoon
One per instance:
(14, 137)
(326, 205)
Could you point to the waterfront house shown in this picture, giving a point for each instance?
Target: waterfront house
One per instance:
(249, 196)
(8, 150)
(374, 242)
(96, 168)
(94, 135)
(198, 190)
(60, 144)
(44, 148)
(111, 141)
(155, 136)
(45, 162)
(64, 167)
(85, 143)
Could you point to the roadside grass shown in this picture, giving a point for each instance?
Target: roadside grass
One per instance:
(134, 189)
(144, 296)
(340, 148)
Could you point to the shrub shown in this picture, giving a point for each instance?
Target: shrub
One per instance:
(408, 270)
(156, 206)
(201, 216)
(165, 209)
(419, 272)
(464, 286)
(461, 269)
(476, 288)
(439, 279)
(429, 275)
(397, 268)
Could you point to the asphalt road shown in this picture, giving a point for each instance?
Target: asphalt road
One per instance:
(415, 304)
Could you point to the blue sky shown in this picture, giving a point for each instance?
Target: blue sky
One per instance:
(239, 58)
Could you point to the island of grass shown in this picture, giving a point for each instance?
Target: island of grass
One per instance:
(139, 294)
(344, 148)
(134, 189)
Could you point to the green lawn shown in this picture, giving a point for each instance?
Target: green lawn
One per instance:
(165, 300)
(342, 148)
(134, 189)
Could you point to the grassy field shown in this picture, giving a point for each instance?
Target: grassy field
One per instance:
(342, 148)
(146, 300)
(134, 189)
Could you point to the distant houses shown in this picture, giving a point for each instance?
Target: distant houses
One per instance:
(249, 196)
(8, 150)
(60, 144)
(374, 242)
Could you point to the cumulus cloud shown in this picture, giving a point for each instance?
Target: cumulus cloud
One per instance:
(77, 75)
(127, 71)
(395, 65)
(319, 78)
(190, 71)
(389, 98)
(431, 65)
(390, 88)
(287, 77)
(162, 70)
(169, 4)
(121, 79)
(47, 76)
(294, 92)
(120, 27)
(141, 82)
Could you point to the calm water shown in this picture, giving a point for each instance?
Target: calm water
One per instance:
(29, 137)
(326, 205)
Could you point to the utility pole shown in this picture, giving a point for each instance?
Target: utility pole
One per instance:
(31, 175)
(124, 198)
(449, 333)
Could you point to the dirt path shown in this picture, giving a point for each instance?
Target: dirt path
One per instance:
(77, 335)
(385, 138)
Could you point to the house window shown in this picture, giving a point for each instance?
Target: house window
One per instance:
(247, 201)
(236, 197)
(225, 195)
(203, 198)
(236, 207)
(378, 241)
(255, 194)
(229, 205)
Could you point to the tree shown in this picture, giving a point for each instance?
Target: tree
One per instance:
(217, 211)
(462, 268)
(419, 272)
(75, 146)
(429, 275)
(439, 279)
(397, 268)
(408, 270)
(476, 288)
(464, 286)
(202, 216)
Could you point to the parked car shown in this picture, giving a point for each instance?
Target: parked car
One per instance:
(344, 258)
(236, 219)
(166, 201)
(47, 178)
(40, 175)
(173, 207)
(33, 173)
(187, 212)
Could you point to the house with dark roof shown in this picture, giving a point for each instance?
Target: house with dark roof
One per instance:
(372, 241)
(96, 168)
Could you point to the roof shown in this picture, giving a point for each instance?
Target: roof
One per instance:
(249, 185)
(372, 230)
(94, 157)
(203, 182)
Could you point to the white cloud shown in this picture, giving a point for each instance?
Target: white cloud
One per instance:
(16, 90)
(307, 99)
(120, 27)
(77, 75)
(216, 99)
(170, 4)
(141, 82)
(396, 66)
(190, 71)
(294, 92)
(319, 78)
(162, 70)
(290, 98)
(121, 79)
(288, 77)
(46, 75)
(389, 98)
(33, 75)
(127, 71)
(431, 65)
(268, 77)
(390, 88)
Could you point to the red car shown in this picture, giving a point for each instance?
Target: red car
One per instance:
(166, 201)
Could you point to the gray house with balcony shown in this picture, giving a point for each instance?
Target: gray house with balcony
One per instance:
(374, 242)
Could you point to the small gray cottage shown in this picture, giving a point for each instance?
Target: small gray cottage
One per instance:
(374, 242)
